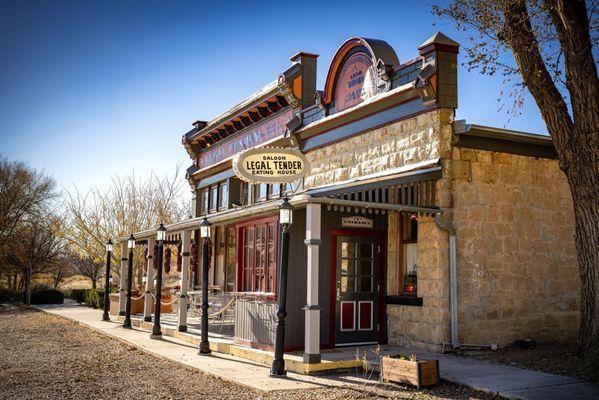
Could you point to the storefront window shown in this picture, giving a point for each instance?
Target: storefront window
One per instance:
(409, 229)
(230, 259)
(258, 262)
(248, 258)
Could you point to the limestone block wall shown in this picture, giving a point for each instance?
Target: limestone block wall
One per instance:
(517, 268)
(425, 326)
(401, 143)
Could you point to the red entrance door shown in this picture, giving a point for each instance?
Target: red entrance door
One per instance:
(356, 298)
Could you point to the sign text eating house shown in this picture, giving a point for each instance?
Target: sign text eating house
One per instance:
(271, 165)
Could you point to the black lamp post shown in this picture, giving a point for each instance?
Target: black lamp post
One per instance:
(285, 219)
(205, 234)
(105, 316)
(160, 237)
(131, 245)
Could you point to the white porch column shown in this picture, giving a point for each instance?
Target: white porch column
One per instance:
(312, 327)
(185, 245)
(123, 280)
(148, 299)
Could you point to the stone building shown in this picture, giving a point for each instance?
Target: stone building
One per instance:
(411, 228)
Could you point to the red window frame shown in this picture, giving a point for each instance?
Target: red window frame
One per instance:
(242, 229)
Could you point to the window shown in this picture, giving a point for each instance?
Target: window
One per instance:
(258, 256)
(246, 193)
(230, 259)
(260, 191)
(204, 201)
(275, 191)
(223, 195)
(213, 197)
(409, 243)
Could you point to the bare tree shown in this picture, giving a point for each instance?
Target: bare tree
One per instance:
(551, 42)
(22, 190)
(129, 205)
(35, 249)
(90, 267)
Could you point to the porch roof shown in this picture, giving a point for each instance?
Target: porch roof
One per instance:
(429, 169)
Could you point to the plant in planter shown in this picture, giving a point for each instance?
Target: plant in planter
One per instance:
(408, 369)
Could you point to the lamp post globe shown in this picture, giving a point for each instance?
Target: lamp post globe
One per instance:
(105, 315)
(131, 246)
(205, 235)
(285, 219)
(285, 212)
(160, 238)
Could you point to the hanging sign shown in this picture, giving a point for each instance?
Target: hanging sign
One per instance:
(357, 221)
(271, 165)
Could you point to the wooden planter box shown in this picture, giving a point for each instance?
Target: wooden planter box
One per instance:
(418, 373)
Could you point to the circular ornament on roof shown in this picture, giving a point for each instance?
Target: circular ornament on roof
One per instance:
(356, 81)
(271, 165)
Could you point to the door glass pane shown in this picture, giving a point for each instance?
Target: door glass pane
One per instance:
(347, 267)
(365, 267)
(348, 250)
(365, 284)
(365, 250)
(348, 284)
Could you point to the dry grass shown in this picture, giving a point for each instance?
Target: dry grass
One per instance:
(47, 357)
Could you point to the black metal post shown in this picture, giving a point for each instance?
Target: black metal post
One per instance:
(278, 364)
(156, 332)
(105, 316)
(204, 344)
(127, 322)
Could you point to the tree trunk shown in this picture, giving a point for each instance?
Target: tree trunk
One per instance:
(576, 139)
(27, 296)
(584, 184)
(93, 283)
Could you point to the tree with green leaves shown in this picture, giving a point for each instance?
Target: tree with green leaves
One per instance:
(545, 47)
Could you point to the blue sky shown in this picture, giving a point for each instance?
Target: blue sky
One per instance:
(90, 89)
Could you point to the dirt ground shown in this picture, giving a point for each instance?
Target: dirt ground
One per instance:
(555, 358)
(47, 357)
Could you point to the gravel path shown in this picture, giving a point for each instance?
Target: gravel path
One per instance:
(46, 357)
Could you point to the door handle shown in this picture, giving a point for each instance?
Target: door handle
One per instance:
(338, 294)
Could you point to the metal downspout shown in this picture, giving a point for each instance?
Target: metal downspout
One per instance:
(453, 281)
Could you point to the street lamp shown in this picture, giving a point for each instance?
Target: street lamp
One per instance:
(105, 316)
(205, 235)
(131, 246)
(160, 238)
(285, 219)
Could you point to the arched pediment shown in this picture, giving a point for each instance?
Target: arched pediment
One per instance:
(352, 75)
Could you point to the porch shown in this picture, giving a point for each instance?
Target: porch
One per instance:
(334, 299)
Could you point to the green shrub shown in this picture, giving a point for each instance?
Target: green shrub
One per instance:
(78, 295)
(47, 296)
(38, 287)
(10, 296)
(94, 298)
